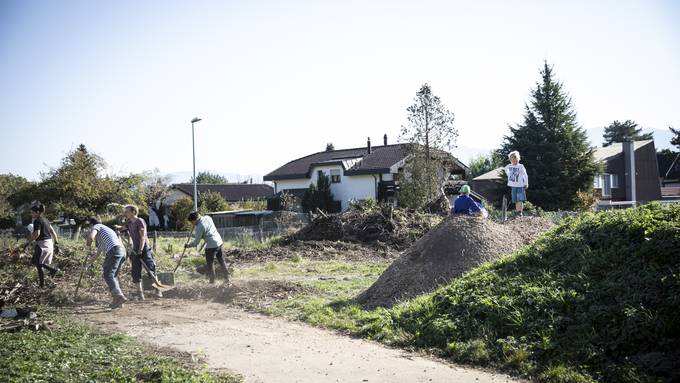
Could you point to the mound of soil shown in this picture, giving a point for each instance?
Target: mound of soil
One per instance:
(457, 245)
(394, 227)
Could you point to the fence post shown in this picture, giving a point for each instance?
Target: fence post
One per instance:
(155, 237)
(505, 208)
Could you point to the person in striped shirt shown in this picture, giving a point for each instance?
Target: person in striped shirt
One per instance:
(108, 243)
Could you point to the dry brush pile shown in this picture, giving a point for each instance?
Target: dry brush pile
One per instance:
(382, 226)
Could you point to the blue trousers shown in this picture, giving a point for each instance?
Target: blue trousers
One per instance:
(113, 261)
(147, 257)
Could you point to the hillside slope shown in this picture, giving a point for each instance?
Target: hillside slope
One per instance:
(596, 299)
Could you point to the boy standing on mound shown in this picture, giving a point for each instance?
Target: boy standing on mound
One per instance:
(518, 180)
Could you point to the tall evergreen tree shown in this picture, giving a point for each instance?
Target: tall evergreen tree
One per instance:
(554, 149)
(676, 138)
(622, 131)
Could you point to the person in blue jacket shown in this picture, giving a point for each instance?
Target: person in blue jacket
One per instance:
(464, 204)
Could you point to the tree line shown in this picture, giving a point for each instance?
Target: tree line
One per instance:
(81, 187)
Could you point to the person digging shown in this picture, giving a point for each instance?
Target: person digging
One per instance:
(108, 243)
(142, 256)
(45, 239)
(204, 229)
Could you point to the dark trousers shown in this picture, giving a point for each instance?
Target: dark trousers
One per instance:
(136, 259)
(37, 252)
(210, 255)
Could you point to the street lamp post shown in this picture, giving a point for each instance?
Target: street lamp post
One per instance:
(193, 148)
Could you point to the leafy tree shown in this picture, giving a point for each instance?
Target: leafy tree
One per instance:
(179, 212)
(330, 147)
(9, 185)
(209, 179)
(211, 201)
(675, 140)
(80, 188)
(430, 133)
(319, 196)
(484, 163)
(622, 131)
(553, 147)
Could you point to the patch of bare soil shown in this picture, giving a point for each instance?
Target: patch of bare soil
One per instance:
(457, 245)
(272, 350)
(248, 293)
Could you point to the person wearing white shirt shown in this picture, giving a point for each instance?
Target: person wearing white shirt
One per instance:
(518, 181)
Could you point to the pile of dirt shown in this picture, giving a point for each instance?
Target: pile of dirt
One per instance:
(384, 226)
(317, 250)
(457, 245)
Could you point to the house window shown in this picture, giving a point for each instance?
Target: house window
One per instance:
(615, 181)
(319, 174)
(335, 176)
(597, 183)
(606, 182)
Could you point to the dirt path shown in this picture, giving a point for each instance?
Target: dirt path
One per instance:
(272, 350)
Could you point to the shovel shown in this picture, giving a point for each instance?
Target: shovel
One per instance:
(80, 278)
(179, 262)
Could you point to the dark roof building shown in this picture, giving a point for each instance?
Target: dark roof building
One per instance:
(356, 161)
(230, 192)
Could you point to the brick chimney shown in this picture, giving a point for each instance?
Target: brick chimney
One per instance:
(368, 143)
(385, 139)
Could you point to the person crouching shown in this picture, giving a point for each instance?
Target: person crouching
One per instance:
(465, 205)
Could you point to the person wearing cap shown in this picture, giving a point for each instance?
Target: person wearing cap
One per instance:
(465, 205)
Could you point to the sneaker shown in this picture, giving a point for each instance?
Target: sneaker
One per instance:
(118, 302)
(140, 295)
(54, 272)
(159, 294)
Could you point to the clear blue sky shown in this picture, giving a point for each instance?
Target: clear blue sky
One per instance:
(275, 80)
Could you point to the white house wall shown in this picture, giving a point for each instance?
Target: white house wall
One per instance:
(354, 188)
(350, 188)
(299, 183)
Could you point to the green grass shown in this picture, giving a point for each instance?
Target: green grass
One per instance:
(594, 300)
(75, 353)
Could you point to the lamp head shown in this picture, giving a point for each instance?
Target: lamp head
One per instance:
(195, 119)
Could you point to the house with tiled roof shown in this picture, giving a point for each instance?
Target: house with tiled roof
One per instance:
(355, 174)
